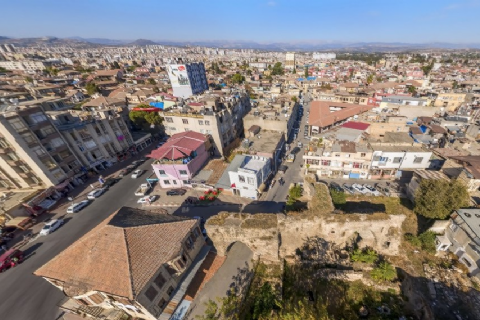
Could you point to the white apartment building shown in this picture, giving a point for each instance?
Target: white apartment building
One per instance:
(247, 174)
(290, 60)
(324, 56)
(25, 65)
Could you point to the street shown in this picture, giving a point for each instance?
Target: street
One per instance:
(25, 296)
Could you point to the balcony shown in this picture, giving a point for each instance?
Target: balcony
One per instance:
(15, 163)
(37, 124)
(5, 150)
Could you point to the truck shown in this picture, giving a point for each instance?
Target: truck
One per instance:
(142, 190)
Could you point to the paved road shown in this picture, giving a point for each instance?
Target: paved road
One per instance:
(24, 296)
(235, 272)
(294, 173)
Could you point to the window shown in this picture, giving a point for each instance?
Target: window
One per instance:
(185, 182)
(376, 158)
(183, 172)
(174, 182)
(162, 172)
(418, 160)
(3, 144)
(170, 290)
(241, 178)
(326, 163)
(84, 302)
(467, 263)
(185, 121)
(173, 129)
(12, 156)
(168, 119)
(17, 124)
(363, 154)
(160, 281)
(356, 165)
(383, 159)
(162, 303)
(166, 181)
(337, 154)
(200, 122)
(23, 168)
(38, 117)
(207, 122)
(179, 264)
(251, 181)
(184, 258)
(151, 293)
(187, 129)
(397, 159)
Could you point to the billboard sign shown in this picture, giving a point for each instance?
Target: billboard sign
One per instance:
(178, 75)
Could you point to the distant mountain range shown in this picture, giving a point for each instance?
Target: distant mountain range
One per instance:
(232, 44)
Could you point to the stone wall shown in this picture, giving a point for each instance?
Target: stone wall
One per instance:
(275, 236)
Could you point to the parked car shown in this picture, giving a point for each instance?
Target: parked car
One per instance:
(335, 186)
(78, 206)
(7, 230)
(137, 173)
(370, 189)
(383, 190)
(122, 173)
(51, 226)
(282, 168)
(96, 193)
(348, 188)
(10, 258)
(110, 182)
(147, 199)
(359, 188)
(300, 144)
(176, 192)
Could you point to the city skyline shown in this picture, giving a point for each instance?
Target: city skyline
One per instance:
(260, 21)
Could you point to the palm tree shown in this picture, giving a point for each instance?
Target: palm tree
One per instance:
(384, 272)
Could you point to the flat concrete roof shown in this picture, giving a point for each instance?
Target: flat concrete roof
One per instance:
(266, 141)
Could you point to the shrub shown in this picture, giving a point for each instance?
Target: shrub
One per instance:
(425, 241)
(338, 197)
(384, 272)
(366, 255)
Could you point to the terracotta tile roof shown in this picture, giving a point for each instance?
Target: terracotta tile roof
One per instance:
(321, 116)
(121, 254)
(356, 125)
(179, 146)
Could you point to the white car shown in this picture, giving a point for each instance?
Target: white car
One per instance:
(51, 226)
(78, 206)
(359, 188)
(372, 190)
(137, 173)
(147, 199)
(96, 193)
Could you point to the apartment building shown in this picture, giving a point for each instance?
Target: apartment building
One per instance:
(134, 264)
(33, 152)
(451, 101)
(24, 65)
(461, 236)
(220, 117)
(403, 101)
(187, 79)
(339, 159)
(290, 60)
(98, 138)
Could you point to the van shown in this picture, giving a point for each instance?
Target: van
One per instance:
(9, 259)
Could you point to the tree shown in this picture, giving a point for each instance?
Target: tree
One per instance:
(436, 199)
(249, 72)
(294, 98)
(277, 69)
(145, 119)
(366, 255)
(29, 79)
(426, 69)
(265, 302)
(412, 90)
(2, 69)
(116, 65)
(91, 88)
(370, 79)
(384, 272)
(211, 311)
(306, 72)
(395, 68)
(152, 81)
(237, 78)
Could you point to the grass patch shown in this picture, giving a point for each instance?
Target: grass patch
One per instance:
(218, 220)
(260, 221)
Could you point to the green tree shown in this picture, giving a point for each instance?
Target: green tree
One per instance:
(91, 88)
(366, 255)
(294, 70)
(116, 65)
(2, 69)
(426, 69)
(152, 81)
(425, 241)
(29, 79)
(237, 78)
(384, 272)
(212, 311)
(249, 72)
(306, 72)
(294, 99)
(370, 79)
(277, 69)
(412, 90)
(436, 199)
(145, 119)
(265, 302)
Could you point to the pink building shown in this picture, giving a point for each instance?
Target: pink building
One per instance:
(180, 158)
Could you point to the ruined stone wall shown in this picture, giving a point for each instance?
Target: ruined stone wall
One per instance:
(275, 236)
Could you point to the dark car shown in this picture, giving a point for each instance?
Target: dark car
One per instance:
(9, 259)
(110, 182)
(335, 186)
(5, 231)
(176, 192)
(282, 168)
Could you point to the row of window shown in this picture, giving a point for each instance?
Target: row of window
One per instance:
(174, 182)
(396, 159)
(181, 172)
(185, 121)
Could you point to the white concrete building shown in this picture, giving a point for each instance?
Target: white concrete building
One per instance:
(247, 175)
(290, 60)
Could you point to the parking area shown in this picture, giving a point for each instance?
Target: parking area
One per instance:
(365, 187)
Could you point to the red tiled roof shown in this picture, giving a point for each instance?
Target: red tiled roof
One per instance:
(321, 116)
(356, 125)
(179, 146)
(121, 254)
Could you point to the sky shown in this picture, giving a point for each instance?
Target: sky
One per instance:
(266, 21)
